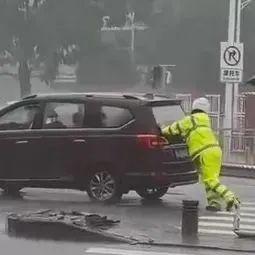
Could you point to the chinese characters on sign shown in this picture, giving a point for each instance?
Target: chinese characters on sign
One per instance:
(231, 62)
(230, 75)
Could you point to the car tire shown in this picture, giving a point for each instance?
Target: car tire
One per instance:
(104, 186)
(152, 193)
(11, 190)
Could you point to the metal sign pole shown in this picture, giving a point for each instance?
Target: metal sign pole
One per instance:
(229, 86)
(236, 85)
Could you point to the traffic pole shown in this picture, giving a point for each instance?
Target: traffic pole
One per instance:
(228, 118)
(236, 85)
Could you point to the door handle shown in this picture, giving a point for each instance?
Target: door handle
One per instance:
(22, 142)
(79, 141)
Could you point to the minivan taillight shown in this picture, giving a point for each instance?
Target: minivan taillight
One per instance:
(152, 141)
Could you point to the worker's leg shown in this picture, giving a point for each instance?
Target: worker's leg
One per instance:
(213, 199)
(211, 160)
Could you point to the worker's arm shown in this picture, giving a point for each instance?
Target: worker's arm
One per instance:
(172, 130)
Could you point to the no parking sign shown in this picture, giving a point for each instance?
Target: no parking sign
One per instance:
(231, 62)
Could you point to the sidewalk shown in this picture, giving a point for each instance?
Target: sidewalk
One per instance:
(238, 170)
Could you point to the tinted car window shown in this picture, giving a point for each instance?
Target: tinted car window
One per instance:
(63, 115)
(167, 114)
(20, 118)
(107, 117)
(115, 116)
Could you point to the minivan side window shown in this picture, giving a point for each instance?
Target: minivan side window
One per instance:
(114, 117)
(20, 118)
(102, 116)
(60, 115)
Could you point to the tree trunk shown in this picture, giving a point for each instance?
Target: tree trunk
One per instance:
(24, 79)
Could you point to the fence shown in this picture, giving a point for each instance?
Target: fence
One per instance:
(238, 144)
(186, 101)
(215, 111)
(239, 115)
(238, 148)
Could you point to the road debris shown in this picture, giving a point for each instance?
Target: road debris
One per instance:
(63, 225)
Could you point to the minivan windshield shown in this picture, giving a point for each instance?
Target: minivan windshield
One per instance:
(167, 114)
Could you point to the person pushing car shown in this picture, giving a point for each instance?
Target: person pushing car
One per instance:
(205, 152)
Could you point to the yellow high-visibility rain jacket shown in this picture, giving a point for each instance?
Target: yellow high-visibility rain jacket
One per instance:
(197, 132)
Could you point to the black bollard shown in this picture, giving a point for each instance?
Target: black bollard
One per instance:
(189, 219)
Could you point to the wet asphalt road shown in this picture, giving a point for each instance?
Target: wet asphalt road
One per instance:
(156, 220)
(23, 247)
(137, 218)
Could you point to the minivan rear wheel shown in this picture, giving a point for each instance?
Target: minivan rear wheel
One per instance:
(104, 186)
(152, 193)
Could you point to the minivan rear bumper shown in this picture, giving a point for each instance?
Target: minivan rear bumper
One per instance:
(172, 175)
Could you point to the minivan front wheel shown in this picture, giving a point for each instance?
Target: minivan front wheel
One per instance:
(104, 186)
(152, 193)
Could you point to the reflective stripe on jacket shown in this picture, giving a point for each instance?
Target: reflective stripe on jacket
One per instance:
(197, 132)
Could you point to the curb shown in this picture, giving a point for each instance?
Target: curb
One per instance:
(197, 246)
(35, 227)
(236, 170)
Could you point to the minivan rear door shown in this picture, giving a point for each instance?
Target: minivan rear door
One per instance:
(165, 114)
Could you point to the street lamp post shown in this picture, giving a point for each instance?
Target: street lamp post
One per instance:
(130, 26)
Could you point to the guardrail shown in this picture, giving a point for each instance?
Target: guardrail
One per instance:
(238, 147)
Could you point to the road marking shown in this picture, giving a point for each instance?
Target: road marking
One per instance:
(225, 225)
(215, 231)
(225, 213)
(231, 214)
(215, 218)
(248, 209)
(248, 203)
(222, 222)
(128, 252)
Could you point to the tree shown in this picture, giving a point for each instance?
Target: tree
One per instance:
(48, 25)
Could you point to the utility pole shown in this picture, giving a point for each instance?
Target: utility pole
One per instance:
(234, 36)
(229, 86)
(236, 85)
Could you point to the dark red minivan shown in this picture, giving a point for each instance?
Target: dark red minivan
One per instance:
(104, 143)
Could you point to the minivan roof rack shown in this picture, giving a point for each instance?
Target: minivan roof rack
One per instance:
(127, 96)
(29, 97)
(149, 95)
